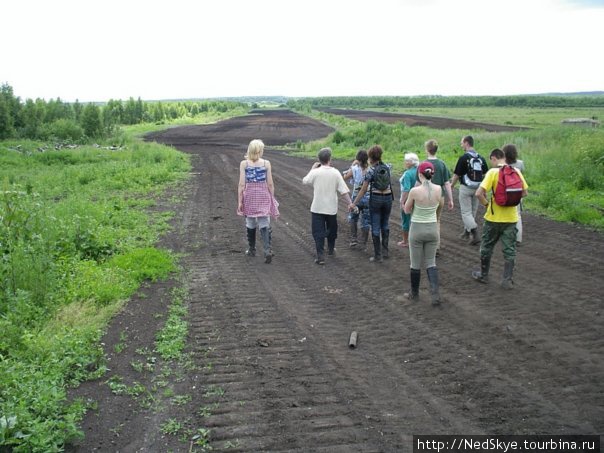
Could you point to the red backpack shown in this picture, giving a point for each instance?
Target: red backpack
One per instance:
(508, 191)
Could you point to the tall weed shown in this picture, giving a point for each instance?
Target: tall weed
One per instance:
(76, 240)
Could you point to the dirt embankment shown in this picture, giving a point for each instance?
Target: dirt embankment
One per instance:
(269, 343)
(434, 122)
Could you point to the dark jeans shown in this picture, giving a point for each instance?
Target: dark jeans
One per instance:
(363, 213)
(324, 226)
(379, 209)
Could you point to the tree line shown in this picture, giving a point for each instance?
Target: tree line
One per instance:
(595, 100)
(42, 120)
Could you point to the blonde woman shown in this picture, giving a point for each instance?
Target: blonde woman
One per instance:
(256, 198)
(422, 203)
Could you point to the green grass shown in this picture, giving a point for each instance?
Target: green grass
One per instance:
(564, 164)
(171, 338)
(518, 116)
(77, 239)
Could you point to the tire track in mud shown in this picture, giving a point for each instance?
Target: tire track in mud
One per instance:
(273, 371)
(426, 334)
(270, 342)
(445, 398)
(264, 389)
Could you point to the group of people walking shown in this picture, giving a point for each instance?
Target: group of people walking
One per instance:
(425, 189)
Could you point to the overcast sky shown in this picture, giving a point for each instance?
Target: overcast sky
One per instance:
(115, 49)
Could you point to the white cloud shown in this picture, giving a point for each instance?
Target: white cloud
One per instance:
(184, 49)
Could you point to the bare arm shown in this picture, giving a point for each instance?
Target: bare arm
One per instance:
(410, 202)
(269, 178)
(241, 185)
(449, 193)
(481, 195)
(404, 196)
(454, 180)
(346, 196)
(361, 193)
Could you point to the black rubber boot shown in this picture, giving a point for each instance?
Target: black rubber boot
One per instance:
(364, 238)
(354, 241)
(413, 293)
(385, 237)
(251, 242)
(377, 249)
(483, 274)
(433, 279)
(508, 272)
(474, 238)
(266, 239)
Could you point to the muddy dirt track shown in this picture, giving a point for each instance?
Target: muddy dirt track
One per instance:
(434, 122)
(273, 370)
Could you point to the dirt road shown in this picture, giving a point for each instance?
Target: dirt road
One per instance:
(273, 370)
(434, 122)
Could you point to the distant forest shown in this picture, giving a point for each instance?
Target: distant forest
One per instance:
(55, 119)
(595, 99)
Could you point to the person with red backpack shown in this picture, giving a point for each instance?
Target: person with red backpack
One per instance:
(507, 186)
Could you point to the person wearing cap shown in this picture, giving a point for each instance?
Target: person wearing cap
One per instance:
(422, 203)
(407, 182)
(442, 177)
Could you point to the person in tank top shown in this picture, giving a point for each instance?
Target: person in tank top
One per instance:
(422, 203)
(256, 198)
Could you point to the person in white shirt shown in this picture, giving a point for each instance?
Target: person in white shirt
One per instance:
(327, 183)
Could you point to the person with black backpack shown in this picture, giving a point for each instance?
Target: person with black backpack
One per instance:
(377, 181)
(469, 171)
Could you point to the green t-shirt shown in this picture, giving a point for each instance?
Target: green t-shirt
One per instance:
(441, 173)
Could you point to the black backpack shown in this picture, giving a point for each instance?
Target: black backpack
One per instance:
(381, 177)
(474, 175)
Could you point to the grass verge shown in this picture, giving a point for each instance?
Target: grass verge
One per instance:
(77, 239)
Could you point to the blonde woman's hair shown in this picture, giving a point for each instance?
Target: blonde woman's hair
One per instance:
(255, 150)
(412, 157)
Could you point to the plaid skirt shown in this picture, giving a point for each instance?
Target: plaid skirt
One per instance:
(258, 201)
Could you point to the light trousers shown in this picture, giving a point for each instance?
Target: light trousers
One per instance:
(468, 204)
(423, 240)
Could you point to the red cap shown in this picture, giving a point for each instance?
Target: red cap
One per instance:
(425, 166)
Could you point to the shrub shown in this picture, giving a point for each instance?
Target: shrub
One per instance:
(63, 129)
(338, 137)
